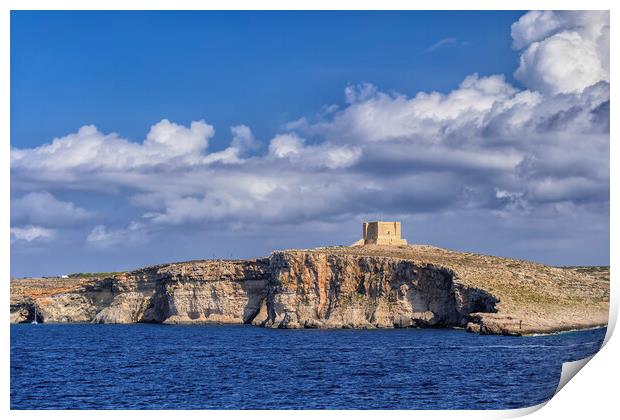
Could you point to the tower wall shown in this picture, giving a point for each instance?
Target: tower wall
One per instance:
(382, 233)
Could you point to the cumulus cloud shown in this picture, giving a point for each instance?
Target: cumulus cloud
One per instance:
(373, 115)
(564, 51)
(485, 146)
(293, 148)
(88, 149)
(31, 233)
(286, 146)
(42, 208)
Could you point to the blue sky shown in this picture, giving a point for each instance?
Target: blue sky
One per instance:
(123, 71)
(305, 124)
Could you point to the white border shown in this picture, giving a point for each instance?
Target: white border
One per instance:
(592, 395)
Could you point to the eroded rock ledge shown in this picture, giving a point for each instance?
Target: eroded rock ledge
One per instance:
(290, 289)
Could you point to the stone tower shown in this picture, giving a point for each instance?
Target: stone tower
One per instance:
(381, 233)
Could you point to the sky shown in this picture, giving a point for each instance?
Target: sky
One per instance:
(140, 138)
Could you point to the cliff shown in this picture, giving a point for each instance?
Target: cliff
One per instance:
(350, 287)
(192, 292)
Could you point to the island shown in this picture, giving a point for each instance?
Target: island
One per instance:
(378, 282)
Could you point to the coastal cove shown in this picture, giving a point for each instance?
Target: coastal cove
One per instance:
(151, 366)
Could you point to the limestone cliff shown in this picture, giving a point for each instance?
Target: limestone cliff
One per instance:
(192, 292)
(322, 288)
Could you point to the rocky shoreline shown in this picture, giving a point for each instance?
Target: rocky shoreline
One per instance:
(338, 287)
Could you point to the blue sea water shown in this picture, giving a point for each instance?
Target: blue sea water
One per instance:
(145, 366)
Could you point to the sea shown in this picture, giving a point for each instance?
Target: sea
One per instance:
(150, 366)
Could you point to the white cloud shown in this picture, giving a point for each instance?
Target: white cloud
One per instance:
(325, 155)
(341, 157)
(286, 146)
(359, 93)
(534, 26)
(89, 150)
(42, 208)
(446, 42)
(376, 116)
(31, 233)
(176, 140)
(563, 51)
(102, 237)
(243, 139)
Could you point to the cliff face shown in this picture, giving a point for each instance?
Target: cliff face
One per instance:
(321, 290)
(344, 287)
(288, 290)
(193, 292)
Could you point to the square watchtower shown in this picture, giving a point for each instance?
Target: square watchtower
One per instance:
(382, 233)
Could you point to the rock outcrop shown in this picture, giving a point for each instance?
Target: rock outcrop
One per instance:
(320, 288)
(192, 292)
